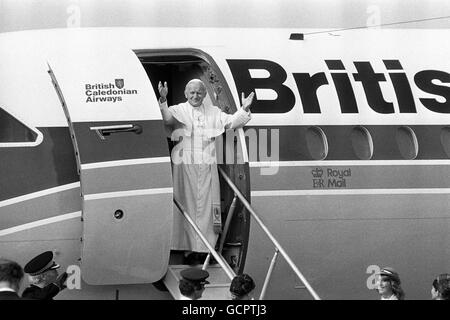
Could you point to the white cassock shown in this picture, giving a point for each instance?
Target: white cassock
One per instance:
(194, 169)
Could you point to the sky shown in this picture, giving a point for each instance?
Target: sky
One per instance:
(18, 15)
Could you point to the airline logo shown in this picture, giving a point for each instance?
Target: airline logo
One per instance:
(107, 92)
(434, 82)
(330, 178)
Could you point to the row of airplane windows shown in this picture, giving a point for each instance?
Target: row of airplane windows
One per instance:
(350, 142)
(401, 142)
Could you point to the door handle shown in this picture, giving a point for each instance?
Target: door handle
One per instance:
(104, 131)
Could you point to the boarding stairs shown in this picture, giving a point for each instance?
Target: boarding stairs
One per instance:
(221, 274)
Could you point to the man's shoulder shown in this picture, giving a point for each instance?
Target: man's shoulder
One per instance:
(32, 288)
(31, 291)
(179, 105)
(35, 292)
(9, 295)
(182, 107)
(215, 110)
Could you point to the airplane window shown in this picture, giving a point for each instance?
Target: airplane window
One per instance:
(14, 131)
(362, 143)
(445, 140)
(407, 143)
(317, 143)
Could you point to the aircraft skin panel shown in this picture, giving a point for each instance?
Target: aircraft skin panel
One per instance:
(48, 165)
(335, 238)
(352, 175)
(290, 58)
(42, 207)
(300, 143)
(104, 83)
(113, 178)
(119, 146)
(60, 227)
(113, 116)
(63, 237)
(52, 163)
(149, 252)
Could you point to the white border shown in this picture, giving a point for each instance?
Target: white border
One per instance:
(39, 135)
(327, 192)
(325, 163)
(39, 194)
(130, 193)
(118, 163)
(40, 223)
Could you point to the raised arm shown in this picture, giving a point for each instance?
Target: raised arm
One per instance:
(166, 114)
(240, 117)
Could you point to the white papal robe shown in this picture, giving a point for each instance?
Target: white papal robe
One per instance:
(194, 169)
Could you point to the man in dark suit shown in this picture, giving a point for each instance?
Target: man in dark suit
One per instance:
(43, 275)
(11, 275)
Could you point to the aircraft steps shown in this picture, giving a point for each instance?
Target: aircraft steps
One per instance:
(220, 275)
(217, 289)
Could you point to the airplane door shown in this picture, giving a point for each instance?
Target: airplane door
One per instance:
(123, 162)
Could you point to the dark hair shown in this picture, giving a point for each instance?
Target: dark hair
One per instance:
(445, 293)
(241, 285)
(435, 284)
(10, 271)
(395, 286)
(442, 285)
(187, 287)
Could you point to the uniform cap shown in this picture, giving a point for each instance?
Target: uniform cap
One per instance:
(195, 275)
(40, 264)
(390, 272)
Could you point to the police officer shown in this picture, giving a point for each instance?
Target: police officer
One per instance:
(193, 283)
(43, 276)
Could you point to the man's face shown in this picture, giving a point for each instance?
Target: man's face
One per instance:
(199, 291)
(195, 93)
(51, 276)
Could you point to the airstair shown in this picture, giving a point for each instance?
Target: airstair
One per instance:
(221, 274)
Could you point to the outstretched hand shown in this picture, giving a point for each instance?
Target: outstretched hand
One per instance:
(246, 102)
(60, 281)
(163, 90)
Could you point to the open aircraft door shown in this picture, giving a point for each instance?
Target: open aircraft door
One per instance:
(123, 162)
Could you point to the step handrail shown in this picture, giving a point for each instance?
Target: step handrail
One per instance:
(268, 233)
(230, 273)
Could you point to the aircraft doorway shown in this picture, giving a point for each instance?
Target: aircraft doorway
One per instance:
(177, 67)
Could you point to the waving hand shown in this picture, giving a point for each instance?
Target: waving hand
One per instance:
(246, 102)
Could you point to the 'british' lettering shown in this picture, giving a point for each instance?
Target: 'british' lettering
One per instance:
(432, 82)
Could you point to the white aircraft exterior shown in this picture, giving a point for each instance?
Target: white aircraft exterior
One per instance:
(347, 160)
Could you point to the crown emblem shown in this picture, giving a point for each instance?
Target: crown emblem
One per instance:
(317, 172)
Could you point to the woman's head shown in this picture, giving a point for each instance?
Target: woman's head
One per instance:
(389, 284)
